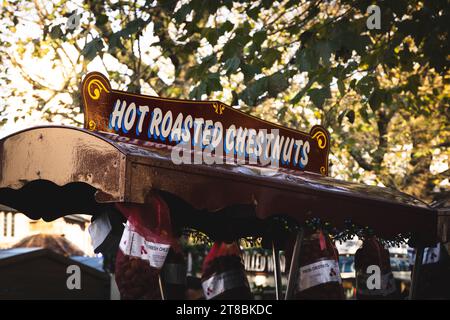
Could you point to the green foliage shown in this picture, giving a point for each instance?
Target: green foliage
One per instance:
(92, 49)
(318, 96)
(307, 55)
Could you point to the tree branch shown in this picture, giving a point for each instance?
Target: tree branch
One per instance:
(363, 163)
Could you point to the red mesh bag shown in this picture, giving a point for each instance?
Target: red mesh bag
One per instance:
(144, 246)
(372, 253)
(224, 274)
(318, 276)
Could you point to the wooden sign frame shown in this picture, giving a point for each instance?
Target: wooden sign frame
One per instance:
(143, 118)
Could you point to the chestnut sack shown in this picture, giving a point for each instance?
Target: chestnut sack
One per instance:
(374, 278)
(318, 276)
(146, 243)
(224, 274)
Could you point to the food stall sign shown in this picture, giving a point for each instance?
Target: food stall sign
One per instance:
(212, 128)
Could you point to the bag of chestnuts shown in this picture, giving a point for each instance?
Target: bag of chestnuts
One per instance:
(224, 274)
(374, 278)
(318, 276)
(145, 244)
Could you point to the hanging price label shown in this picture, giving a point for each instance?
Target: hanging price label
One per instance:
(135, 245)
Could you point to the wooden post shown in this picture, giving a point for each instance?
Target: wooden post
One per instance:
(161, 287)
(277, 271)
(293, 270)
(416, 272)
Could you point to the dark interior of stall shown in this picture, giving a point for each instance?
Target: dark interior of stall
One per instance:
(197, 229)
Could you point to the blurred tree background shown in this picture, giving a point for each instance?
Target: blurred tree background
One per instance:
(383, 94)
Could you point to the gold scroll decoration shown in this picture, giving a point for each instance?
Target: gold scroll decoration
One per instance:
(321, 138)
(94, 88)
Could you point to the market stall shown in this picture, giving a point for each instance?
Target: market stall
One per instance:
(229, 174)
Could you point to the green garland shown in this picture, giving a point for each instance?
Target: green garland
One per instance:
(200, 238)
(351, 230)
(283, 224)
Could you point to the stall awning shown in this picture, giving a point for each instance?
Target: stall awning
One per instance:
(53, 171)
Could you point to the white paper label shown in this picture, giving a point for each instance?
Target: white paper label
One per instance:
(219, 283)
(317, 273)
(99, 230)
(157, 253)
(135, 245)
(387, 285)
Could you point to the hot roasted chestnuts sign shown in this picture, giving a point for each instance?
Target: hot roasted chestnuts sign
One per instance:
(209, 127)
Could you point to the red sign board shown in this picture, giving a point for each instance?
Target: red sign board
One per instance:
(205, 126)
